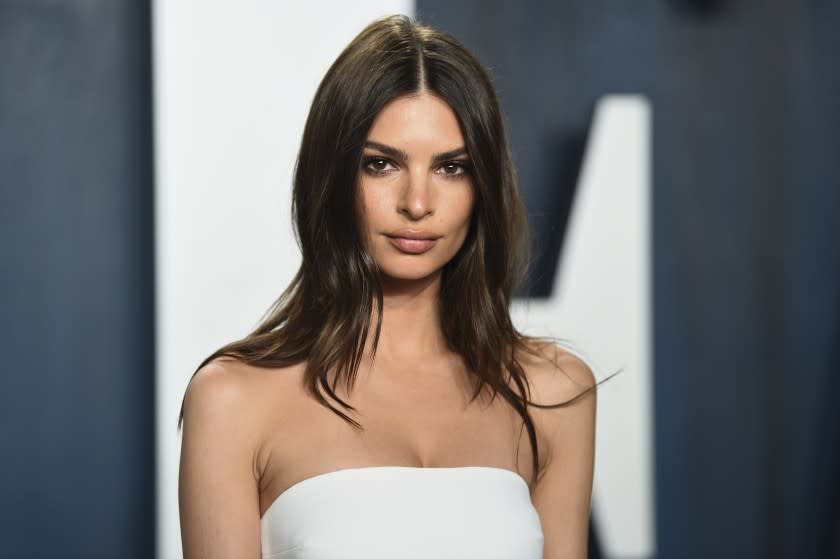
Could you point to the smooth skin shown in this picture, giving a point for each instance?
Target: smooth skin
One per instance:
(245, 430)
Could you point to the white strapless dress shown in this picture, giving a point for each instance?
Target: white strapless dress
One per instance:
(404, 512)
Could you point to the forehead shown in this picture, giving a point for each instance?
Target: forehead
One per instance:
(417, 121)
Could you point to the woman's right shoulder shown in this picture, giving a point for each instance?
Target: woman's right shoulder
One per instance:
(226, 388)
(227, 408)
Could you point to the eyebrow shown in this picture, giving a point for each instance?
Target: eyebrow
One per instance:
(400, 154)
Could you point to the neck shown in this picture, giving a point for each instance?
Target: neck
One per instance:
(410, 321)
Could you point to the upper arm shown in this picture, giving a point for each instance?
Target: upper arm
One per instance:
(218, 493)
(562, 494)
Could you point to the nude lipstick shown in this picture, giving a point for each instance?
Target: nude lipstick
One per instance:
(412, 241)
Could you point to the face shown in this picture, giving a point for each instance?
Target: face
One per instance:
(414, 188)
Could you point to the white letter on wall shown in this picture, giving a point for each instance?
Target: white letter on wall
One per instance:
(602, 302)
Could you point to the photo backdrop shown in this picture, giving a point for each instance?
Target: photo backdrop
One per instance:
(146, 152)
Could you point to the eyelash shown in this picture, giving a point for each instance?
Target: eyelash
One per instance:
(464, 166)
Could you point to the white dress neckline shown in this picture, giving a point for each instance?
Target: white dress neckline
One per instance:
(410, 512)
(295, 487)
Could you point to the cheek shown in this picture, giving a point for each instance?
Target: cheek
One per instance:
(372, 214)
(465, 207)
(363, 214)
(370, 202)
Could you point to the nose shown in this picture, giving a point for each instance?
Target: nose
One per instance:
(415, 200)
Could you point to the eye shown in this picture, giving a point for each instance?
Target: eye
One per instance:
(376, 166)
(454, 169)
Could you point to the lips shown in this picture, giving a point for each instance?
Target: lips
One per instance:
(412, 241)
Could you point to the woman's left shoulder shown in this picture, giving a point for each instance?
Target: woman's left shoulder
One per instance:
(554, 373)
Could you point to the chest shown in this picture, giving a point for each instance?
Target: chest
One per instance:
(421, 421)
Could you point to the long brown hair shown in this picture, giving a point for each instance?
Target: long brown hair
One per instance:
(324, 317)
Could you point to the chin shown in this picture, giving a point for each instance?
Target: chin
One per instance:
(411, 271)
(407, 274)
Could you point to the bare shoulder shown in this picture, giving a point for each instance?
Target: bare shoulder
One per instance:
(222, 386)
(554, 373)
(557, 376)
(228, 390)
(227, 406)
(562, 492)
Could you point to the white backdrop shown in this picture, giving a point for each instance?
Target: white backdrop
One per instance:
(233, 84)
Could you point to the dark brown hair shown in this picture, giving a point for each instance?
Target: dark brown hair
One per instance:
(325, 315)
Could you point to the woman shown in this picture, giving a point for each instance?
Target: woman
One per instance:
(453, 434)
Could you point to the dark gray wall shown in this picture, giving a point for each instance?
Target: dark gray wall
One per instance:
(76, 280)
(746, 210)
